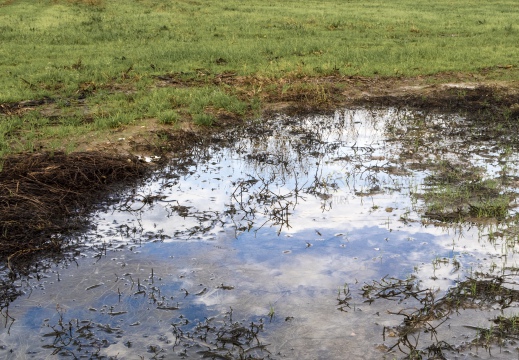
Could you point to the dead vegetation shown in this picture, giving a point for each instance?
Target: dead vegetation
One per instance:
(44, 197)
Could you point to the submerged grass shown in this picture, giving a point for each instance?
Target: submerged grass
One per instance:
(458, 198)
(429, 313)
(454, 190)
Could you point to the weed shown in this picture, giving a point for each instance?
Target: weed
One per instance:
(203, 119)
(343, 298)
(223, 338)
(271, 312)
(433, 312)
(454, 193)
(168, 117)
(112, 121)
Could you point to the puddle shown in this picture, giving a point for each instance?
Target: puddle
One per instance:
(261, 245)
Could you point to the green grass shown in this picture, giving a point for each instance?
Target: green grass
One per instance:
(456, 194)
(53, 46)
(112, 52)
(168, 117)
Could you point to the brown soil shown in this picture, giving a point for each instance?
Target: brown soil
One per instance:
(44, 196)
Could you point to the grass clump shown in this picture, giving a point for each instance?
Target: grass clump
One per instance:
(203, 119)
(429, 313)
(491, 208)
(456, 194)
(168, 117)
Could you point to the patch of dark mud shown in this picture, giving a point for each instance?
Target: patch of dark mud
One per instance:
(183, 148)
(177, 144)
(449, 97)
(17, 107)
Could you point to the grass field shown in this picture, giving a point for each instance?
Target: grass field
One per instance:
(100, 62)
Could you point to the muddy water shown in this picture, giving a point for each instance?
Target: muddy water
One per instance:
(258, 246)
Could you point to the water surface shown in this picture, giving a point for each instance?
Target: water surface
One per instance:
(243, 248)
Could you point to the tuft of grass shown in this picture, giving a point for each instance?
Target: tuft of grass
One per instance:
(204, 119)
(271, 313)
(113, 121)
(491, 207)
(217, 99)
(168, 117)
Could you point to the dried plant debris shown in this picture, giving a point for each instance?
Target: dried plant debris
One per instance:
(419, 334)
(44, 197)
(222, 338)
(79, 338)
(105, 334)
